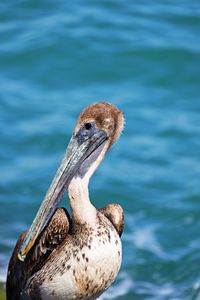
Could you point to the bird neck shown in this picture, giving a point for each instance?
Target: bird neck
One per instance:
(82, 209)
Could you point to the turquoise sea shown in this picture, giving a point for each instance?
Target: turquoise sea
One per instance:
(56, 57)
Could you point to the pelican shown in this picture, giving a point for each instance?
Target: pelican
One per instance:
(78, 256)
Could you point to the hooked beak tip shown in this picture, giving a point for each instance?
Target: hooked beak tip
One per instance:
(23, 252)
(21, 257)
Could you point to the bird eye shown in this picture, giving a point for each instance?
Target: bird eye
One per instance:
(88, 126)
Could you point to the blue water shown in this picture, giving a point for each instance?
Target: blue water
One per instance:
(56, 57)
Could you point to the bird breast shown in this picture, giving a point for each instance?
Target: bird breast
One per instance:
(86, 266)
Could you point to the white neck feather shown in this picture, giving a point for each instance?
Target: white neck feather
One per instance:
(82, 209)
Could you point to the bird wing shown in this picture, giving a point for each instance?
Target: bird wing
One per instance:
(52, 236)
(114, 212)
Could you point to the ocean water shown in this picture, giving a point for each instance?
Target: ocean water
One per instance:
(56, 57)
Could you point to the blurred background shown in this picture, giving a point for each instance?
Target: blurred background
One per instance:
(56, 57)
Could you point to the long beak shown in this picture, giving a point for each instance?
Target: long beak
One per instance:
(78, 150)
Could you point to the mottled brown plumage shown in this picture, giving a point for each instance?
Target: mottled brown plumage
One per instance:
(53, 236)
(48, 240)
(75, 257)
(114, 213)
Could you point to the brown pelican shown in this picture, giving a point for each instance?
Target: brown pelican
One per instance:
(77, 257)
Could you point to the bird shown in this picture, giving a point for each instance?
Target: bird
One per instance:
(77, 256)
